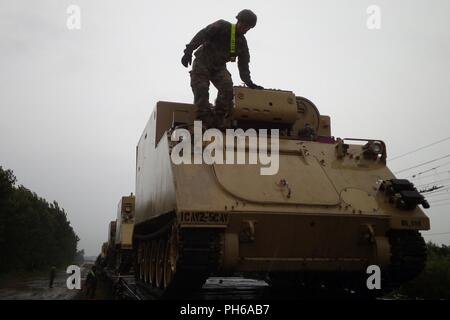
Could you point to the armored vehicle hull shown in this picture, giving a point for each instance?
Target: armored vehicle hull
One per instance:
(124, 234)
(330, 209)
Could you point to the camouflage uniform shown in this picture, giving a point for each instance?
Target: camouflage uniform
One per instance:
(210, 65)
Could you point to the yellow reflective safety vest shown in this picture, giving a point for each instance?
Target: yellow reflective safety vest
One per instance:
(233, 43)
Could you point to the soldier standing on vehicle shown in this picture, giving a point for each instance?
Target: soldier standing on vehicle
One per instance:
(220, 42)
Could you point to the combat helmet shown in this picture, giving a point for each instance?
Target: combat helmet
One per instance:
(247, 17)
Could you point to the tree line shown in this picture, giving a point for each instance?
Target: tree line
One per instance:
(34, 234)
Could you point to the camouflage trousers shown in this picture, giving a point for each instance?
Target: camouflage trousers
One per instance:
(201, 75)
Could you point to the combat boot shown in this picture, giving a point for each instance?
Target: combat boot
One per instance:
(205, 114)
(221, 116)
(221, 121)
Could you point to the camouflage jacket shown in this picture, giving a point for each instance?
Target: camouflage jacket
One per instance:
(214, 51)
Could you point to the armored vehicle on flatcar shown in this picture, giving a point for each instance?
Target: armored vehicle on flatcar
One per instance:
(328, 210)
(124, 232)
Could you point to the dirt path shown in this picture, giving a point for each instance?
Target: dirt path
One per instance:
(37, 287)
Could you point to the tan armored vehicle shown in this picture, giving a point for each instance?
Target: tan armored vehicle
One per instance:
(124, 233)
(327, 211)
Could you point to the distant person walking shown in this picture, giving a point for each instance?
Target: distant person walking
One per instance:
(52, 276)
(91, 283)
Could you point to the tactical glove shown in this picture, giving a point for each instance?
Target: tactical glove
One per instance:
(187, 58)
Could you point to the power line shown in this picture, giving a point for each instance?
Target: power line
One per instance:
(438, 189)
(435, 234)
(424, 163)
(428, 170)
(418, 149)
(431, 189)
(414, 176)
(431, 196)
(438, 194)
(440, 200)
(432, 182)
(441, 205)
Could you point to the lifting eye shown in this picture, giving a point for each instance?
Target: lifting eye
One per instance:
(373, 150)
(376, 147)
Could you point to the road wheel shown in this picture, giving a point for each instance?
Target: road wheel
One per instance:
(153, 256)
(171, 258)
(160, 264)
(147, 261)
(141, 255)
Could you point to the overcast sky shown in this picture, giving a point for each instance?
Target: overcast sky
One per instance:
(73, 103)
